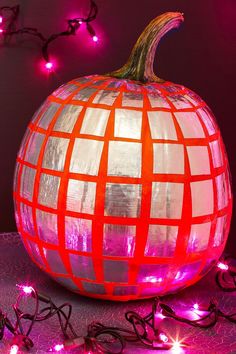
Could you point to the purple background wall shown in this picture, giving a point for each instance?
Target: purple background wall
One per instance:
(200, 56)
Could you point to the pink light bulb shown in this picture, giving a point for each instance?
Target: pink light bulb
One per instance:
(95, 38)
(49, 65)
(176, 347)
(1, 19)
(223, 266)
(27, 290)
(1, 30)
(58, 347)
(196, 307)
(80, 22)
(14, 349)
(163, 337)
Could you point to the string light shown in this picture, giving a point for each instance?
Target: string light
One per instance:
(27, 290)
(10, 29)
(196, 307)
(146, 330)
(14, 349)
(176, 347)
(163, 337)
(226, 274)
(49, 66)
(222, 266)
(58, 347)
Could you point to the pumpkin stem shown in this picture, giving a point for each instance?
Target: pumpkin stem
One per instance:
(140, 63)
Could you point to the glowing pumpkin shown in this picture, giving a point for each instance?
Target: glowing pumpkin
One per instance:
(122, 187)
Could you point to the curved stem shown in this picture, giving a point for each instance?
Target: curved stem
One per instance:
(140, 63)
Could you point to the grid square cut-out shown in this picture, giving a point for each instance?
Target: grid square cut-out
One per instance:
(95, 121)
(132, 99)
(67, 118)
(179, 101)
(49, 110)
(119, 240)
(106, 97)
(81, 196)
(199, 237)
(116, 271)
(157, 100)
(162, 125)
(86, 156)
(55, 153)
(27, 183)
(216, 153)
(202, 197)
(208, 120)
(123, 200)
(199, 160)
(168, 158)
(48, 190)
(65, 91)
(128, 123)
(54, 260)
(219, 236)
(124, 159)
(78, 234)
(161, 241)
(34, 147)
(190, 124)
(47, 226)
(27, 219)
(222, 191)
(152, 273)
(94, 288)
(84, 94)
(167, 200)
(82, 266)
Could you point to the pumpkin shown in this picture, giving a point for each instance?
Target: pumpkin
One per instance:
(122, 184)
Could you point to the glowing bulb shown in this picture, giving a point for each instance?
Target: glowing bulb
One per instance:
(178, 275)
(196, 307)
(163, 337)
(80, 22)
(1, 19)
(95, 38)
(176, 347)
(1, 30)
(27, 290)
(222, 266)
(49, 65)
(159, 315)
(14, 349)
(58, 347)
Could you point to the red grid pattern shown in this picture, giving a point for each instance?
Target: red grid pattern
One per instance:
(89, 271)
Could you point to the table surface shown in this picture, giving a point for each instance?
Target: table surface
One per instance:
(17, 268)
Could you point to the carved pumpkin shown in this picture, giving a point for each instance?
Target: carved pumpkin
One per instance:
(122, 184)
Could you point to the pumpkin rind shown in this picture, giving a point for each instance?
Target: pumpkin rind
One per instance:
(122, 190)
